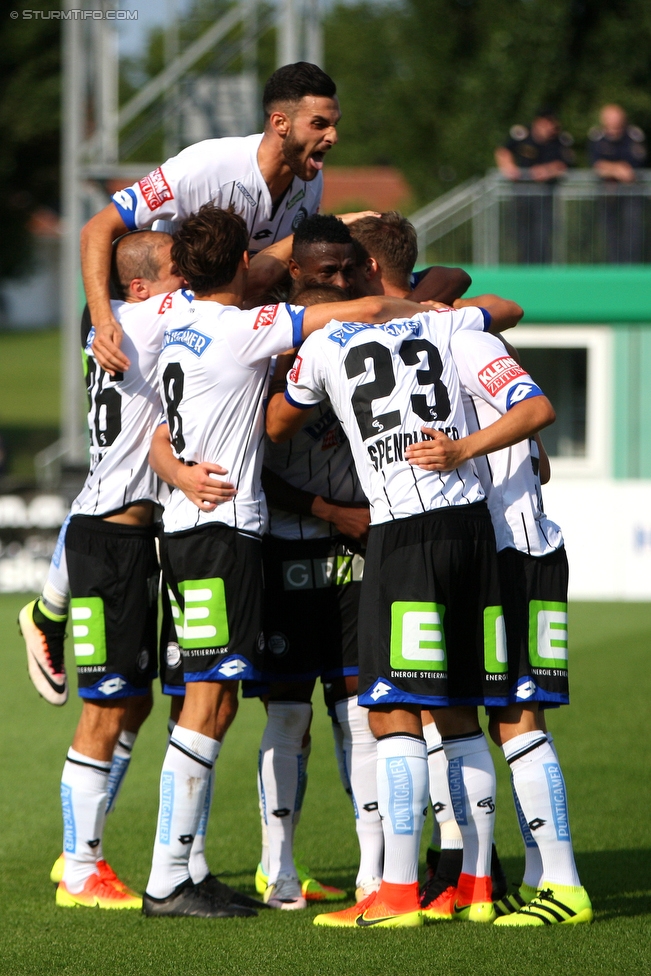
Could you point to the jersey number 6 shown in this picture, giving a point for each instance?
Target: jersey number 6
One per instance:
(385, 382)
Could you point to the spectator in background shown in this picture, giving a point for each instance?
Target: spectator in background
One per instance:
(537, 155)
(617, 150)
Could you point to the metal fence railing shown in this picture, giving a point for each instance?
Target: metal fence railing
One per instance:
(578, 220)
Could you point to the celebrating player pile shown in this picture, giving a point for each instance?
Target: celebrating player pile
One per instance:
(418, 418)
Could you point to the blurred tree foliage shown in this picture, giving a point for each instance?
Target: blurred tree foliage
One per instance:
(29, 122)
(432, 86)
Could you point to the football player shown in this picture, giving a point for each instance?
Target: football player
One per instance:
(430, 603)
(274, 179)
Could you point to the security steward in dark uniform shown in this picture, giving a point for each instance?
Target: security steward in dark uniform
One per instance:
(617, 151)
(535, 158)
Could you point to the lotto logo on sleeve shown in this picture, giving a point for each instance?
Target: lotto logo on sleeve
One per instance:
(205, 623)
(548, 634)
(499, 374)
(88, 629)
(417, 637)
(295, 371)
(266, 316)
(155, 189)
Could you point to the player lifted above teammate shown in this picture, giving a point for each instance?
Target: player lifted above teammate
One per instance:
(272, 179)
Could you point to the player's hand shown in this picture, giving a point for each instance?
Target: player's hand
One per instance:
(440, 453)
(350, 520)
(350, 218)
(201, 484)
(434, 306)
(106, 346)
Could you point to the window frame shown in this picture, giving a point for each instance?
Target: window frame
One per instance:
(599, 342)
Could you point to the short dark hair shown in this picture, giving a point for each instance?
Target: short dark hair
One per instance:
(136, 255)
(208, 247)
(320, 229)
(391, 239)
(293, 82)
(318, 295)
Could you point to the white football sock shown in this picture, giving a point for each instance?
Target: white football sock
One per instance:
(198, 865)
(471, 778)
(187, 766)
(445, 831)
(119, 767)
(402, 799)
(84, 785)
(338, 738)
(279, 778)
(360, 756)
(532, 860)
(540, 787)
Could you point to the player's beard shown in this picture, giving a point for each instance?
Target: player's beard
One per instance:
(294, 155)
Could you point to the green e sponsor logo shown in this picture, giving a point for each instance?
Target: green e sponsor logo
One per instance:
(205, 622)
(88, 629)
(417, 637)
(496, 660)
(547, 634)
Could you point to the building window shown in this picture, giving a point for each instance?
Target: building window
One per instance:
(573, 366)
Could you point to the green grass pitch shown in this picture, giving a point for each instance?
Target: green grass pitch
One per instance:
(604, 744)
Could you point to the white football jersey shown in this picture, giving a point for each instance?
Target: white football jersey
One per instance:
(223, 172)
(213, 374)
(318, 460)
(384, 383)
(125, 410)
(493, 382)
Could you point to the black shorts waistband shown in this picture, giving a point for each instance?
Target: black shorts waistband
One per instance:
(214, 528)
(95, 523)
(473, 511)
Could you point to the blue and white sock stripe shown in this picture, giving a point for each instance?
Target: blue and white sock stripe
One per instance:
(190, 753)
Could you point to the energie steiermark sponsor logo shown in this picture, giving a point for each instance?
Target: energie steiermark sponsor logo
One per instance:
(417, 636)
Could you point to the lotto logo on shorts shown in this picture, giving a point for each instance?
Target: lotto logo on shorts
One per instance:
(88, 629)
(417, 637)
(495, 657)
(547, 634)
(499, 374)
(205, 623)
(155, 189)
(266, 316)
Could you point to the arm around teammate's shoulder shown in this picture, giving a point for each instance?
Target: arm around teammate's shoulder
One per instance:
(97, 237)
(373, 310)
(504, 313)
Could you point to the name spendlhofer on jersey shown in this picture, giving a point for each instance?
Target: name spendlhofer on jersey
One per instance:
(385, 382)
(318, 460)
(125, 409)
(493, 382)
(213, 375)
(224, 172)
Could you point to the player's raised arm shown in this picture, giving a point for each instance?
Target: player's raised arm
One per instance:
(441, 453)
(97, 237)
(504, 313)
(198, 482)
(441, 284)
